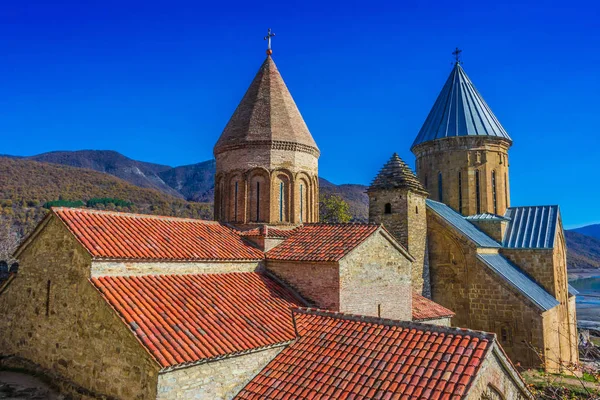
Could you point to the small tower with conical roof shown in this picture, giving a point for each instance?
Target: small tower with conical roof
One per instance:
(462, 150)
(266, 158)
(397, 200)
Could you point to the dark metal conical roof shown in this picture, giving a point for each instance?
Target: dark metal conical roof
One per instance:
(396, 174)
(266, 114)
(460, 111)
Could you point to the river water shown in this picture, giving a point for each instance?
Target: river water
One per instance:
(588, 301)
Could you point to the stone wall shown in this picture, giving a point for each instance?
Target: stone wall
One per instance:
(55, 318)
(497, 381)
(466, 155)
(407, 221)
(447, 321)
(317, 282)
(375, 280)
(481, 299)
(221, 379)
(132, 268)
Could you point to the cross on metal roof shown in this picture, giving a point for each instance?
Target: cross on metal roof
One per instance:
(268, 37)
(456, 54)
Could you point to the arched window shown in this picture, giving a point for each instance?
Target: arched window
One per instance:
(477, 192)
(494, 199)
(425, 181)
(460, 201)
(387, 208)
(440, 188)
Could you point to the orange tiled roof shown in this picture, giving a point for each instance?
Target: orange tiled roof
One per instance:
(182, 319)
(114, 235)
(321, 242)
(350, 357)
(424, 309)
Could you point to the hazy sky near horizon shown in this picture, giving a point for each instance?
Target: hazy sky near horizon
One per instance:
(158, 81)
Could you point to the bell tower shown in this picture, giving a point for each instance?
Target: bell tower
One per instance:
(266, 158)
(462, 150)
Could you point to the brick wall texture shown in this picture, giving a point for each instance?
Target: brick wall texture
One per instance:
(374, 279)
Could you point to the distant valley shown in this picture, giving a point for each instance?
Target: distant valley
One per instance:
(26, 183)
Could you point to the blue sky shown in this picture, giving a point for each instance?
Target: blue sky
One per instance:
(157, 81)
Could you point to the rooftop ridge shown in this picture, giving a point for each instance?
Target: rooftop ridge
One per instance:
(132, 215)
(392, 322)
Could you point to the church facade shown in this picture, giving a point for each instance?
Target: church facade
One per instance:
(500, 268)
(267, 303)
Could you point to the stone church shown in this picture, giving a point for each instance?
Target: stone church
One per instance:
(438, 297)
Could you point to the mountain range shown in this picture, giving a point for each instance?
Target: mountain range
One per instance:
(178, 190)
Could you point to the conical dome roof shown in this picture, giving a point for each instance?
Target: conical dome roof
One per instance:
(460, 111)
(266, 114)
(396, 174)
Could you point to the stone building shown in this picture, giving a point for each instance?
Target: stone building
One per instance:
(501, 269)
(126, 306)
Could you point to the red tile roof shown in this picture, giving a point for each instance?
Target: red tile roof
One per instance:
(113, 235)
(424, 309)
(182, 319)
(321, 242)
(350, 357)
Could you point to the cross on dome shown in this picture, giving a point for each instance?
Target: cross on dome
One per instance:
(268, 38)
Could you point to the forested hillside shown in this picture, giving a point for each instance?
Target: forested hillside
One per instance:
(26, 186)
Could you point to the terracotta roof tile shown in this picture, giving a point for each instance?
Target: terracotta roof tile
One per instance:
(321, 242)
(424, 309)
(113, 235)
(352, 357)
(182, 319)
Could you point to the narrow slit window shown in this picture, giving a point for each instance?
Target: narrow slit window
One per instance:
(440, 188)
(281, 201)
(477, 192)
(506, 189)
(257, 201)
(460, 199)
(235, 202)
(416, 209)
(387, 209)
(494, 198)
(301, 203)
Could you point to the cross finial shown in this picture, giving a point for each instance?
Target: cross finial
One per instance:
(456, 54)
(268, 38)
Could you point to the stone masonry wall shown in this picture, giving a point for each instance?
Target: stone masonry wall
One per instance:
(54, 317)
(481, 299)
(221, 379)
(132, 268)
(375, 280)
(408, 223)
(466, 155)
(318, 282)
(495, 383)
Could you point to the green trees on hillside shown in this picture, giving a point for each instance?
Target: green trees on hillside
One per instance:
(333, 209)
